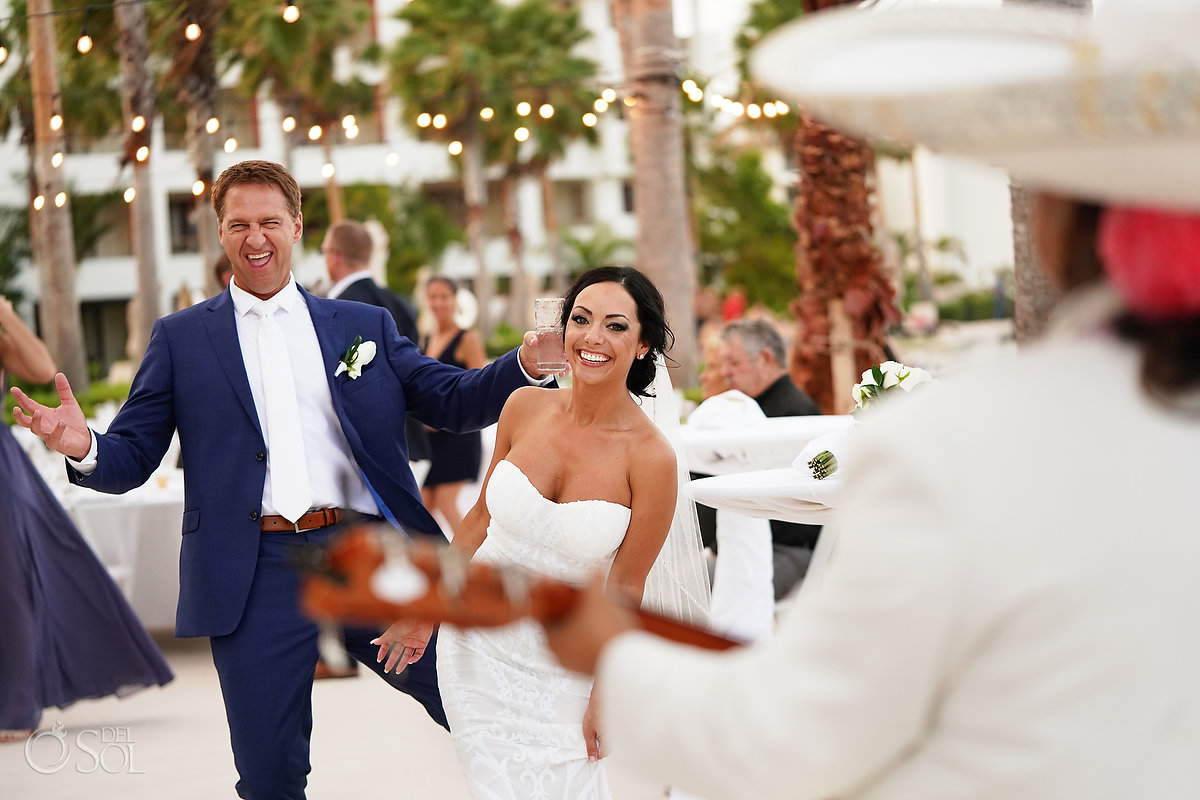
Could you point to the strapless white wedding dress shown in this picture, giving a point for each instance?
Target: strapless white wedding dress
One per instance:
(515, 714)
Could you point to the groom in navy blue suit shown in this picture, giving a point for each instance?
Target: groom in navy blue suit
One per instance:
(202, 376)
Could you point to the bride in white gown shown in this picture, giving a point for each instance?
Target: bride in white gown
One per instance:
(580, 481)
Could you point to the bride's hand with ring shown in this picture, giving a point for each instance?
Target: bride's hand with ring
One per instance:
(402, 644)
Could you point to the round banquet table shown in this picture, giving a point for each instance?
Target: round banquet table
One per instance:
(760, 444)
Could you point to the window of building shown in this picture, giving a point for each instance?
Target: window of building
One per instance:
(627, 196)
(184, 238)
(572, 201)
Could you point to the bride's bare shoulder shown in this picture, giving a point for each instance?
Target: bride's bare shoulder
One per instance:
(529, 400)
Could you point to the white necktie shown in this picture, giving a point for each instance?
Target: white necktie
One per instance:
(285, 442)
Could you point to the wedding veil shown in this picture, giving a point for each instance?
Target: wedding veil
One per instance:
(677, 585)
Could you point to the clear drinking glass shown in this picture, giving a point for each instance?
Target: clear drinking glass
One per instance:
(547, 324)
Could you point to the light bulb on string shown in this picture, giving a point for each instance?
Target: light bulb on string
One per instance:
(424, 119)
(60, 199)
(454, 148)
(439, 121)
(213, 125)
(753, 111)
(56, 160)
(198, 188)
(84, 43)
(487, 112)
(352, 132)
(291, 13)
(143, 153)
(609, 95)
(349, 121)
(769, 111)
(524, 108)
(781, 107)
(192, 31)
(39, 202)
(327, 170)
(601, 105)
(56, 122)
(288, 124)
(138, 124)
(314, 133)
(546, 111)
(3, 52)
(590, 119)
(689, 86)
(521, 134)
(231, 144)
(629, 102)
(130, 194)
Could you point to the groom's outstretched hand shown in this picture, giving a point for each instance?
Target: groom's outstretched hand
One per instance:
(578, 638)
(63, 429)
(402, 644)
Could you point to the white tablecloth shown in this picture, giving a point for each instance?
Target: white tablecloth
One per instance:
(137, 536)
(767, 443)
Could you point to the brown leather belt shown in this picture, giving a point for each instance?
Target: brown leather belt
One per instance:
(321, 518)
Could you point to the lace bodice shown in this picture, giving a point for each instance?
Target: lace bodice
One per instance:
(567, 541)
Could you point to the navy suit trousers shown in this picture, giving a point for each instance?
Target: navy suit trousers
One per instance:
(266, 671)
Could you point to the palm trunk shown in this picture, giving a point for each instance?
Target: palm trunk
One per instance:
(558, 267)
(333, 190)
(520, 303)
(61, 322)
(475, 197)
(137, 99)
(664, 249)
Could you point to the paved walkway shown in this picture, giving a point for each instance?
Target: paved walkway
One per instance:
(369, 742)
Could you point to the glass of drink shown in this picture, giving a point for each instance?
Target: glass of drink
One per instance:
(548, 325)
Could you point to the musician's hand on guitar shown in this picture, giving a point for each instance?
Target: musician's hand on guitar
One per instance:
(578, 636)
(402, 644)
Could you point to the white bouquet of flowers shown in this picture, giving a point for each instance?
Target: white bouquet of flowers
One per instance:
(886, 377)
(878, 380)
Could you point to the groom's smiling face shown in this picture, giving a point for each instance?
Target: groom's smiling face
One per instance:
(258, 232)
(603, 334)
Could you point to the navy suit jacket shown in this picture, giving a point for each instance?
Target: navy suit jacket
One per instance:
(192, 379)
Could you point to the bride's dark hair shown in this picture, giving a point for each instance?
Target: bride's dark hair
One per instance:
(652, 316)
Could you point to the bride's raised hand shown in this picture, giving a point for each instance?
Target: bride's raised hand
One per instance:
(402, 644)
(63, 429)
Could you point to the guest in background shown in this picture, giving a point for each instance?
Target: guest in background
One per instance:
(68, 632)
(753, 361)
(223, 271)
(454, 457)
(1011, 606)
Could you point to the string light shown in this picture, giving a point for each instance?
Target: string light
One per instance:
(439, 121)
(3, 52)
(349, 121)
(609, 95)
(524, 108)
(424, 120)
(487, 112)
(590, 119)
(327, 170)
(143, 153)
(56, 160)
(84, 43)
(192, 31)
(753, 111)
(60, 199)
(546, 111)
(291, 13)
(454, 148)
(289, 124)
(689, 86)
(230, 144)
(521, 134)
(314, 133)
(213, 125)
(130, 193)
(198, 188)
(138, 124)
(352, 132)
(56, 122)
(39, 202)
(601, 105)
(769, 111)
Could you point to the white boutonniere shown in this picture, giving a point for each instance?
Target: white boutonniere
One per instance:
(358, 355)
(885, 377)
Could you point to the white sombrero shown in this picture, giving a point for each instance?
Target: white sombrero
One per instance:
(1104, 107)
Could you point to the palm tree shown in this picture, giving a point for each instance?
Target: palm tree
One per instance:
(297, 62)
(665, 251)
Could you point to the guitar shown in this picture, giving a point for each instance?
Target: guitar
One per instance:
(372, 575)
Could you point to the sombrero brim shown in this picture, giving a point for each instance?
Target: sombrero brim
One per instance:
(1026, 89)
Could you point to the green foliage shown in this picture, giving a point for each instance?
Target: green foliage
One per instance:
(505, 338)
(763, 17)
(975, 306)
(418, 231)
(745, 237)
(14, 249)
(601, 248)
(46, 394)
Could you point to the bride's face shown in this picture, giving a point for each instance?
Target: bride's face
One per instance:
(602, 334)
